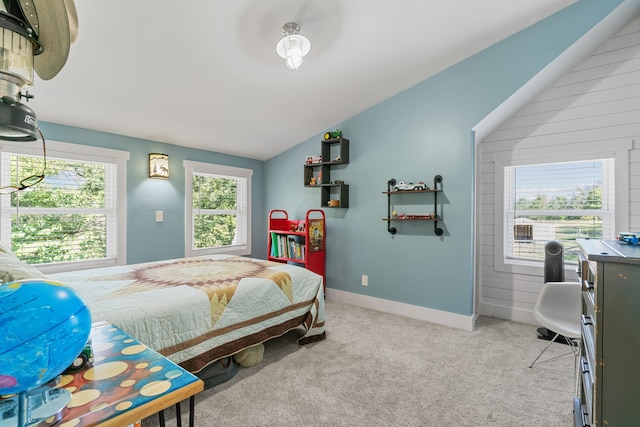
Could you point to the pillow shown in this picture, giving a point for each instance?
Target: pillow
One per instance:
(12, 269)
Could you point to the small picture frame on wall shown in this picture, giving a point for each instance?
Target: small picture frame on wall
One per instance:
(158, 165)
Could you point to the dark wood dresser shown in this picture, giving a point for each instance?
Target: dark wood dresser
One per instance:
(609, 374)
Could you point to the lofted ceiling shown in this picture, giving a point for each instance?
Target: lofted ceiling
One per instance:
(205, 74)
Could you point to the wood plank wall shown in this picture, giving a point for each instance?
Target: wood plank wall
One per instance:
(595, 104)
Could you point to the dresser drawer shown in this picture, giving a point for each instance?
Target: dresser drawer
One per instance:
(588, 348)
(583, 270)
(589, 303)
(588, 272)
(588, 310)
(587, 380)
(592, 273)
(580, 415)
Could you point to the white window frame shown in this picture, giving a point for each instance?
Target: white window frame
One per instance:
(192, 167)
(619, 150)
(117, 237)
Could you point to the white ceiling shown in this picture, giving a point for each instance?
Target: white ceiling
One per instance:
(205, 74)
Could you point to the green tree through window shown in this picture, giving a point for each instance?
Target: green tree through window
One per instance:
(65, 218)
(556, 201)
(216, 199)
(220, 219)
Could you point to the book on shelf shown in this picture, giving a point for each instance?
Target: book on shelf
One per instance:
(274, 245)
(287, 246)
(316, 230)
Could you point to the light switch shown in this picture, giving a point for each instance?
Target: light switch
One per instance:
(159, 216)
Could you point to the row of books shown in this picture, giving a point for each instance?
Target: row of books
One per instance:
(283, 246)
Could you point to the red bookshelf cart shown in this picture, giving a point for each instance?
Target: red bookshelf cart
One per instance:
(298, 241)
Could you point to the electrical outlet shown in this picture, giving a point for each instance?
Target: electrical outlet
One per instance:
(159, 216)
(365, 280)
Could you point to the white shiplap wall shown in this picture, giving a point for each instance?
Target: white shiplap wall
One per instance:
(596, 106)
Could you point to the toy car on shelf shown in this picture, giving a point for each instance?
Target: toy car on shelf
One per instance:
(403, 186)
(311, 160)
(629, 238)
(416, 216)
(334, 134)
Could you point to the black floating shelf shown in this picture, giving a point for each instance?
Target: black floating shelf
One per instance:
(435, 218)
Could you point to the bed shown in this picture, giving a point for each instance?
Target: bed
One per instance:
(197, 310)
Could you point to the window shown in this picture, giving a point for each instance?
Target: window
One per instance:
(541, 193)
(558, 201)
(218, 200)
(74, 217)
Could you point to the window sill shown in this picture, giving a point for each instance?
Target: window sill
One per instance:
(63, 267)
(532, 268)
(227, 250)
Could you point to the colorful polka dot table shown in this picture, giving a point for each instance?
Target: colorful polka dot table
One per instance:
(126, 382)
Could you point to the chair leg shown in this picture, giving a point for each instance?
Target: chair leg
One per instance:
(575, 349)
(545, 349)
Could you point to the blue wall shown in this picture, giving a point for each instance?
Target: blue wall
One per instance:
(146, 239)
(419, 133)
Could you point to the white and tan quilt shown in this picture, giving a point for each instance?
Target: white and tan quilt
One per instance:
(197, 310)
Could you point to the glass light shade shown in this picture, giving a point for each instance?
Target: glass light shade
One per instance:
(293, 48)
(16, 56)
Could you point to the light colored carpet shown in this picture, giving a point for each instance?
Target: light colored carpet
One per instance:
(377, 369)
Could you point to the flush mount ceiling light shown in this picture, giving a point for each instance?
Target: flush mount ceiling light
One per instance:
(293, 47)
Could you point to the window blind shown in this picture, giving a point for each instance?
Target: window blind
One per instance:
(69, 216)
(220, 210)
(556, 201)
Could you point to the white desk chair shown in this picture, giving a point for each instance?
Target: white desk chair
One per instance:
(559, 309)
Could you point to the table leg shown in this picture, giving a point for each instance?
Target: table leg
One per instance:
(192, 411)
(178, 415)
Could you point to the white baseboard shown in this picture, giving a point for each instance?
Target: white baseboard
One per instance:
(508, 313)
(440, 317)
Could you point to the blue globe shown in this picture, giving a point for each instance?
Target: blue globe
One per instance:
(45, 325)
